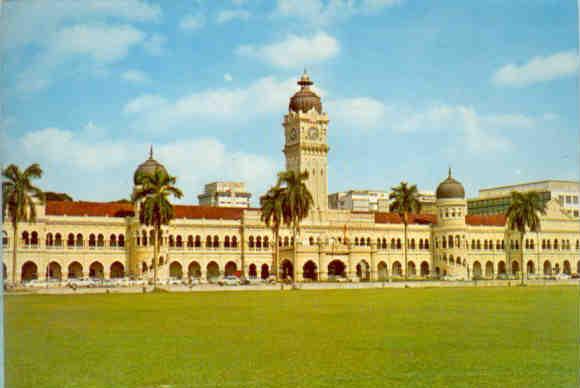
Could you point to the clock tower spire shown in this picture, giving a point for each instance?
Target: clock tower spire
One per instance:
(306, 147)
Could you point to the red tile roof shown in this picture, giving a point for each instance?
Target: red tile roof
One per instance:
(104, 209)
(91, 209)
(207, 212)
(394, 218)
(488, 220)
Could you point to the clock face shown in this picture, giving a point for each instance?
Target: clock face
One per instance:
(313, 133)
(293, 134)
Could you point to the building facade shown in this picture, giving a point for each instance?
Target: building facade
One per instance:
(374, 201)
(225, 194)
(106, 240)
(566, 192)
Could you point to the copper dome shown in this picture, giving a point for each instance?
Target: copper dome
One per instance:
(305, 99)
(450, 188)
(148, 167)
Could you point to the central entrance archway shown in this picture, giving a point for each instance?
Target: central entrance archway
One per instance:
(287, 269)
(309, 271)
(336, 269)
(363, 271)
(29, 271)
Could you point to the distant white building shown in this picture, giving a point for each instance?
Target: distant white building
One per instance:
(372, 200)
(225, 194)
(566, 192)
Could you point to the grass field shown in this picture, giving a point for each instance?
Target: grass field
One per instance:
(335, 338)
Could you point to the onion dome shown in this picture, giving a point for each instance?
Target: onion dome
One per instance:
(450, 188)
(148, 167)
(305, 99)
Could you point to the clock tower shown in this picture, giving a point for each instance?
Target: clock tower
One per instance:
(306, 146)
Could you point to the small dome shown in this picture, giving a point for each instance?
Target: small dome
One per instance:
(305, 99)
(148, 167)
(450, 188)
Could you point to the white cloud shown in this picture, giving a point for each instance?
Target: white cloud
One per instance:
(155, 44)
(358, 114)
(153, 113)
(478, 132)
(100, 44)
(538, 69)
(228, 77)
(104, 43)
(49, 16)
(294, 51)
(90, 165)
(192, 22)
(135, 76)
(319, 12)
(232, 14)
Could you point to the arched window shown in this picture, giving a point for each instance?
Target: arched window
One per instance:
(113, 240)
(190, 241)
(532, 244)
(259, 242)
(100, 241)
(384, 246)
(70, 241)
(34, 239)
(26, 238)
(426, 243)
(144, 238)
(356, 241)
(92, 240)
(286, 241)
(398, 243)
(450, 241)
(266, 242)
(251, 242)
(179, 241)
(443, 242)
(457, 241)
(227, 242)
(58, 240)
(393, 244)
(171, 241)
(216, 241)
(420, 243)
(412, 243)
(234, 242)
(79, 240)
(555, 243)
(49, 240)
(197, 241)
(121, 240)
(478, 244)
(368, 241)
(485, 245)
(4, 240)
(208, 242)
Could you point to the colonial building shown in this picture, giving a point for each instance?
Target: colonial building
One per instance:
(88, 239)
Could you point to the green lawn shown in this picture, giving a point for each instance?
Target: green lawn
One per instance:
(520, 337)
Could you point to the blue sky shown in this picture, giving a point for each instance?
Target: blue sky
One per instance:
(411, 87)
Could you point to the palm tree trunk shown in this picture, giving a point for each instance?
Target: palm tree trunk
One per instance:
(14, 247)
(405, 244)
(295, 235)
(276, 253)
(522, 257)
(155, 256)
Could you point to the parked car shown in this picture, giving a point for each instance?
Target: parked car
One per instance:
(229, 281)
(563, 276)
(174, 282)
(194, 281)
(453, 277)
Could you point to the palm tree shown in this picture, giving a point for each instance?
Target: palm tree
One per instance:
(17, 198)
(523, 213)
(272, 211)
(152, 193)
(296, 204)
(405, 201)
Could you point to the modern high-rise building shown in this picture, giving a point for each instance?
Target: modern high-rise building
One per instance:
(225, 194)
(496, 200)
(374, 201)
